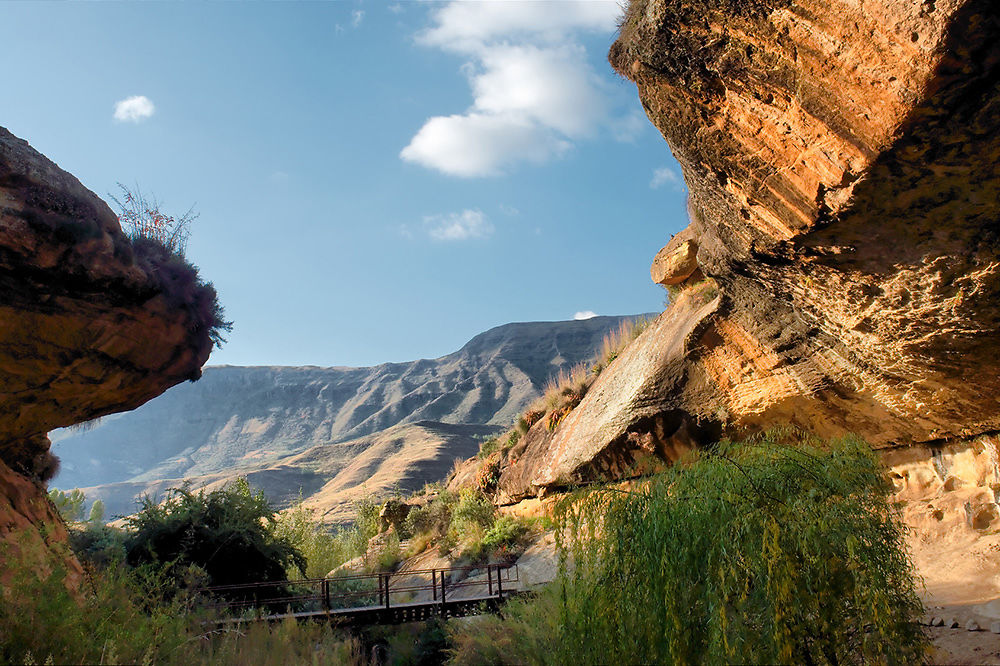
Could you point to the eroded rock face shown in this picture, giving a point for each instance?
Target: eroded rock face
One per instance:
(843, 163)
(89, 323)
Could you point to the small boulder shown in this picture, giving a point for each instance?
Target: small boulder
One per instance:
(995, 627)
(952, 623)
(677, 261)
(937, 621)
(972, 625)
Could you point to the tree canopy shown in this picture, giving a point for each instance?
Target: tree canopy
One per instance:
(228, 533)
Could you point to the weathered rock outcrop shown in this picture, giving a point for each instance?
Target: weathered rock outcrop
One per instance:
(91, 323)
(843, 163)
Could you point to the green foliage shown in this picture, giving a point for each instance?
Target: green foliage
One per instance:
(322, 550)
(434, 518)
(96, 513)
(389, 555)
(467, 523)
(473, 508)
(228, 533)
(40, 617)
(124, 617)
(504, 534)
(488, 446)
(98, 545)
(366, 520)
(753, 553)
(69, 505)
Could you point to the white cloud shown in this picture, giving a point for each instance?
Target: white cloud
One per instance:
(481, 144)
(666, 176)
(585, 314)
(532, 87)
(134, 109)
(466, 26)
(357, 16)
(458, 226)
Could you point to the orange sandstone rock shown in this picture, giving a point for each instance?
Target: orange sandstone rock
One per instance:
(843, 165)
(90, 324)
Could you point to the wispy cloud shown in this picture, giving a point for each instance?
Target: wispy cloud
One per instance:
(534, 93)
(469, 224)
(134, 109)
(357, 18)
(585, 314)
(666, 176)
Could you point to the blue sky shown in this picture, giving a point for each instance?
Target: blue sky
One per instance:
(376, 182)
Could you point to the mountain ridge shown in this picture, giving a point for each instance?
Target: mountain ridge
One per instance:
(239, 417)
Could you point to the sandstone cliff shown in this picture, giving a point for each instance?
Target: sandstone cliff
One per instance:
(842, 162)
(91, 323)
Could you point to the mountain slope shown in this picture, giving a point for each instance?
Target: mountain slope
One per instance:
(239, 417)
(330, 477)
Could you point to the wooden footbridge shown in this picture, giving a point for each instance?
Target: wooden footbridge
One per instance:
(366, 599)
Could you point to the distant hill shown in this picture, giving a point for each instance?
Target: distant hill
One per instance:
(242, 418)
(330, 477)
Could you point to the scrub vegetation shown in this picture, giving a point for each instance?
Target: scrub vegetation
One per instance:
(159, 241)
(760, 552)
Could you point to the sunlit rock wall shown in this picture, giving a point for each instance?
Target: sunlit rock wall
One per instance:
(843, 164)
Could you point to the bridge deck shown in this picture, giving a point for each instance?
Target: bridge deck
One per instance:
(394, 614)
(442, 584)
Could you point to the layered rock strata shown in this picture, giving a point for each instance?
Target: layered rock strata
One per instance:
(90, 323)
(843, 163)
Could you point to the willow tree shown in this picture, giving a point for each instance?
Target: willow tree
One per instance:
(758, 552)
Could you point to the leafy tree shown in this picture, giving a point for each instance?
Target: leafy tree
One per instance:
(96, 513)
(69, 505)
(752, 553)
(229, 534)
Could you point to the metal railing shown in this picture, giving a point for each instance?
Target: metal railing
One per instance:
(360, 592)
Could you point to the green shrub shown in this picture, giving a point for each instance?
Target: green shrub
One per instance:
(390, 554)
(504, 535)
(98, 545)
(434, 518)
(753, 553)
(488, 446)
(123, 618)
(229, 533)
(473, 507)
(322, 550)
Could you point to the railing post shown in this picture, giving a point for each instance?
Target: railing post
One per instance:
(489, 577)
(499, 584)
(326, 594)
(379, 589)
(387, 590)
(442, 587)
(434, 584)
